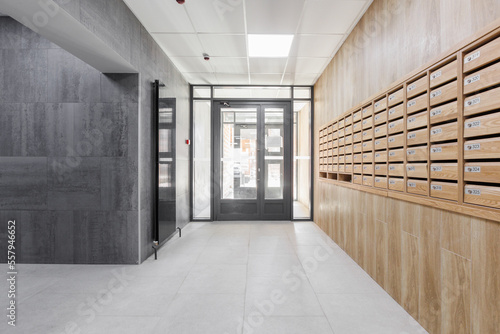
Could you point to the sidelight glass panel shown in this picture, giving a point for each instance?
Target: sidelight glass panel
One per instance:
(302, 160)
(274, 153)
(239, 154)
(202, 92)
(202, 152)
(302, 92)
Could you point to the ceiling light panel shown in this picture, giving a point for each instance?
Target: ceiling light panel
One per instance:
(273, 17)
(269, 46)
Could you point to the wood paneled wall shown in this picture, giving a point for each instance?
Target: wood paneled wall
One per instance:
(443, 268)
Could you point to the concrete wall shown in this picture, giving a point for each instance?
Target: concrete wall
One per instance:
(68, 153)
(109, 190)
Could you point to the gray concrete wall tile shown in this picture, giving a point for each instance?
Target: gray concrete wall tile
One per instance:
(24, 75)
(105, 237)
(64, 236)
(72, 7)
(120, 88)
(23, 183)
(10, 34)
(59, 124)
(118, 185)
(37, 243)
(71, 80)
(34, 132)
(5, 217)
(10, 129)
(101, 129)
(74, 183)
(32, 40)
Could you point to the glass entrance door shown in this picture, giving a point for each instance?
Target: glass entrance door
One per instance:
(252, 161)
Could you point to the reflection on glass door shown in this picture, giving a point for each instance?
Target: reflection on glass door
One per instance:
(239, 153)
(164, 213)
(274, 153)
(253, 166)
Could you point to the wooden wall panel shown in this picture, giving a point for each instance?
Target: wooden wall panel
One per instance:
(392, 39)
(410, 275)
(485, 276)
(371, 245)
(381, 236)
(393, 286)
(456, 13)
(456, 233)
(484, 12)
(455, 293)
(430, 270)
(360, 239)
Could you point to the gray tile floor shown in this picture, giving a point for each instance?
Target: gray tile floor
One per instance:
(219, 278)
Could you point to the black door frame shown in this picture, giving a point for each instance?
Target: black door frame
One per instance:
(163, 212)
(210, 98)
(287, 214)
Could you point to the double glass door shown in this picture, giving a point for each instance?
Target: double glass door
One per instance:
(252, 162)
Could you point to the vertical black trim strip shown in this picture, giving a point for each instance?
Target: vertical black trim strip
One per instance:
(191, 153)
(154, 158)
(312, 155)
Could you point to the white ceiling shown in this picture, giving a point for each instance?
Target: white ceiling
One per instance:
(220, 28)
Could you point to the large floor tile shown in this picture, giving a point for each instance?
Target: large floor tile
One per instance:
(224, 255)
(120, 325)
(207, 278)
(288, 325)
(367, 314)
(312, 256)
(270, 245)
(270, 265)
(203, 314)
(342, 279)
(283, 297)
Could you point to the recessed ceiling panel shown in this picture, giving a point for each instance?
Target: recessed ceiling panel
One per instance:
(306, 79)
(307, 65)
(180, 45)
(191, 64)
(315, 45)
(229, 65)
(161, 15)
(287, 79)
(232, 79)
(273, 17)
(224, 28)
(216, 16)
(201, 78)
(224, 45)
(330, 16)
(265, 79)
(267, 65)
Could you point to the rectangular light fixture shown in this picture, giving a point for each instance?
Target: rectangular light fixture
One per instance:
(269, 46)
